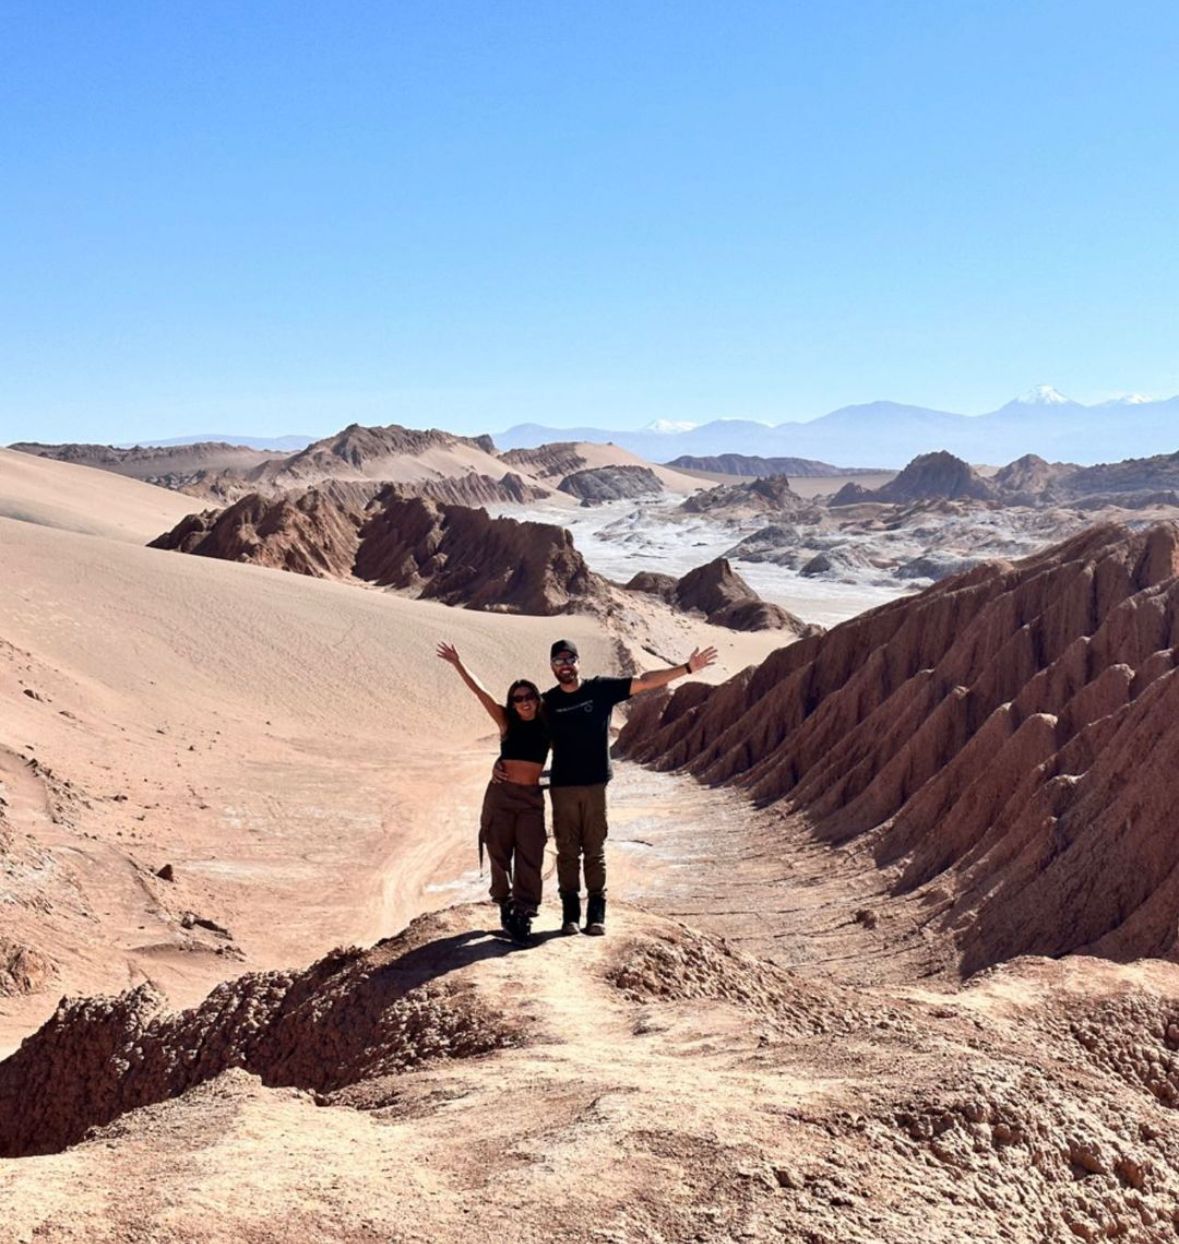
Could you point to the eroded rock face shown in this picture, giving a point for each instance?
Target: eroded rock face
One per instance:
(451, 553)
(1007, 737)
(553, 461)
(352, 1016)
(722, 596)
(611, 483)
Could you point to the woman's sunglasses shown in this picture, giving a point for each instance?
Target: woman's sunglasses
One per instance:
(525, 697)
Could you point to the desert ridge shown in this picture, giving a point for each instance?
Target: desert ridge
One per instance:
(78, 498)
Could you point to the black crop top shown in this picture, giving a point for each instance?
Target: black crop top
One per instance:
(525, 740)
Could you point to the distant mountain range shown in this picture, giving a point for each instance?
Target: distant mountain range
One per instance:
(889, 434)
(282, 444)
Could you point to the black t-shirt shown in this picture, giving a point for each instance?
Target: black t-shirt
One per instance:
(580, 725)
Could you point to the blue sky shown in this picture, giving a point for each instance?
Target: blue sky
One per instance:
(267, 218)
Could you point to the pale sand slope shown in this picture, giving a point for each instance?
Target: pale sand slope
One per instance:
(79, 498)
(291, 746)
(596, 455)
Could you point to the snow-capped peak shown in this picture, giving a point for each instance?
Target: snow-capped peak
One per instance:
(1128, 399)
(1043, 395)
(670, 426)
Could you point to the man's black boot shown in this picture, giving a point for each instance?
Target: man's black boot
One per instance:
(595, 915)
(520, 925)
(505, 914)
(570, 912)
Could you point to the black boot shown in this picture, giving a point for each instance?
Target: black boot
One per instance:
(505, 914)
(519, 925)
(570, 911)
(595, 915)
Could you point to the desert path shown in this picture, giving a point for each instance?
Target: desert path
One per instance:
(290, 746)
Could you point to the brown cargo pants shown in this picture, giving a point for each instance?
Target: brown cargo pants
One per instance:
(579, 827)
(511, 827)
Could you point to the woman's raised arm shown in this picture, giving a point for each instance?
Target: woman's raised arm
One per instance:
(448, 653)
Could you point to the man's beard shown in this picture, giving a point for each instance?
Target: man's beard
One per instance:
(567, 676)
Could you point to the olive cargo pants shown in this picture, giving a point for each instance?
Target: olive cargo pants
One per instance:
(512, 829)
(579, 827)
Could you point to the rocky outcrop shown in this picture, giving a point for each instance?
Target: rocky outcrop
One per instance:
(355, 1015)
(1004, 741)
(1159, 474)
(1031, 480)
(552, 462)
(474, 489)
(611, 483)
(751, 465)
(929, 476)
(451, 553)
(723, 597)
(771, 495)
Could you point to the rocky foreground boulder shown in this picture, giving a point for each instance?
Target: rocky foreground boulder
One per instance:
(1003, 742)
(451, 553)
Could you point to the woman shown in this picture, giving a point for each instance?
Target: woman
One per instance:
(512, 822)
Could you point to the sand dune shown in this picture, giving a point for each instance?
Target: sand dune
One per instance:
(78, 498)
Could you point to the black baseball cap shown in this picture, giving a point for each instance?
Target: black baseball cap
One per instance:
(563, 645)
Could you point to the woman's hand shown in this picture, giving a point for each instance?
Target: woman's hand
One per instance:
(448, 653)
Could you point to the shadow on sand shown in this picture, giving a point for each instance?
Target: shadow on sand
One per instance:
(447, 954)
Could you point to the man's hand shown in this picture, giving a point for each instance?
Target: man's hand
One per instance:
(700, 659)
(499, 772)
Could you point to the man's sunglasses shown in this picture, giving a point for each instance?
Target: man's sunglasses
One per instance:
(563, 661)
(525, 697)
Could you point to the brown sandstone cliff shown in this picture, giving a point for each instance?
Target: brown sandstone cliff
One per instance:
(451, 553)
(1005, 742)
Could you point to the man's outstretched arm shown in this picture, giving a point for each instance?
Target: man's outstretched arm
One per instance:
(700, 659)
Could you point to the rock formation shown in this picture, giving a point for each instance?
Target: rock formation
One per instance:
(354, 1015)
(550, 462)
(451, 553)
(1005, 740)
(611, 483)
(928, 476)
(723, 597)
(771, 495)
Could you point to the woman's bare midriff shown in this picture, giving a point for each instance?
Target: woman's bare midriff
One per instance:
(522, 772)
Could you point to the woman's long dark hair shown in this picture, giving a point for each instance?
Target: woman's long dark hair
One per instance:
(514, 718)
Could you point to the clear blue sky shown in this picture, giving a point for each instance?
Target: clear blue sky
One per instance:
(268, 218)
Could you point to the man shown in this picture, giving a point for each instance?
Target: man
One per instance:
(578, 712)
